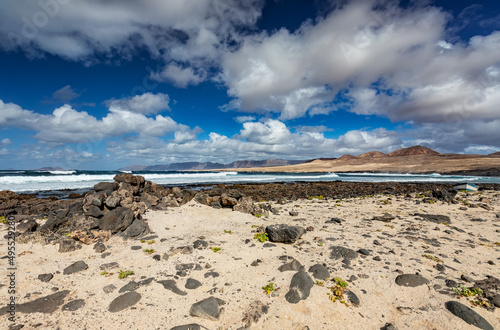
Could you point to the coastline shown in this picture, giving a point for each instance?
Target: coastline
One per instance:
(382, 231)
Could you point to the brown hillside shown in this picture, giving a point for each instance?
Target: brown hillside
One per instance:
(347, 157)
(372, 154)
(495, 154)
(413, 151)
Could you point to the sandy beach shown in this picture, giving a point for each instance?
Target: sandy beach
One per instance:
(214, 253)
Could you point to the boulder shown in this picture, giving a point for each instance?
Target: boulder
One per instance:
(117, 220)
(137, 228)
(124, 301)
(300, 287)
(26, 226)
(284, 233)
(411, 280)
(104, 187)
(207, 308)
(468, 315)
(82, 222)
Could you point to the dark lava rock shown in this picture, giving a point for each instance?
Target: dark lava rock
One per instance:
(172, 286)
(130, 286)
(466, 278)
(117, 220)
(268, 245)
(67, 245)
(104, 186)
(124, 301)
(411, 280)
(300, 287)
(435, 218)
(353, 298)
(76, 267)
(384, 218)
(496, 300)
(444, 195)
(284, 233)
(135, 247)
(109, 266)
(335, 220)
(26, 226)
(192, 326)
(451, 283)
(389, 326)
(200, 245)
(340, 252)
(293, 213)
(99, 247)
(207, 308)
(137, 228)
(94, 211)
(109, 288)
(73, 305)
(468, 315)
(47, 304)
(319, 271)
(294, 266)
(45, 277)
(192, 284)
(364, 252)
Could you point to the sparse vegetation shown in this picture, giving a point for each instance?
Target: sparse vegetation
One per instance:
(261, 237)
(320, 197)
(466, 292)
(3, 220)
(337, 291)
(227, 231)
(216, 249)
(149, 251)
(268, 289)
(125, 273)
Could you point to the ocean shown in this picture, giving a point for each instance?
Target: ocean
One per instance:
(53, 181)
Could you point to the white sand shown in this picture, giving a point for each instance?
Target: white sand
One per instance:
(239, 284)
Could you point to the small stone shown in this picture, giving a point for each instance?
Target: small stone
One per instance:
(466, 278)
(319, 271)
(291, 266)
(377, 258)
(389, 326)
(191, 326)
(130, 286)
(192, 284)
(207, 308)
(99, 247)
(451, 283)
(353, 298)
(75, 267)
(468, 315)
(293, 213)
(73, 305)
(124, 301)
(300, 287)
(172, 286)
(200, 245)
(411, 280)
(45, 277)
(109, 288)
(364, 252)
(157, 257)
(135, 247)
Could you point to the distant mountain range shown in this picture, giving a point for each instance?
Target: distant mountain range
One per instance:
(416, 159)
(197, 166)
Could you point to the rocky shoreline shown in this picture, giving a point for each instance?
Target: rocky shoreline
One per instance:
(310, 247)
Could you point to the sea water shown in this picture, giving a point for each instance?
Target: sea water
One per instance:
(35, 181)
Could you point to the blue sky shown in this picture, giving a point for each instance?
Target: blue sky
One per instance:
(106, 84)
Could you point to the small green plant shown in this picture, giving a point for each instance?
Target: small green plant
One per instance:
(151, 242)
(338, 290)
(227, 231)
(149, 251)
(143, 240)
(106, 273)
(466, 292)
(3, 220)
(480, 302)
(261, 237)
(320, 197)
(390, 226)
(320, 243)
(269, 288)
(428, 256)
(340, 282)
(320, 283)
(124, 274)
(258, 215)
(497, 243)
(67, 234)
(216, 249)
